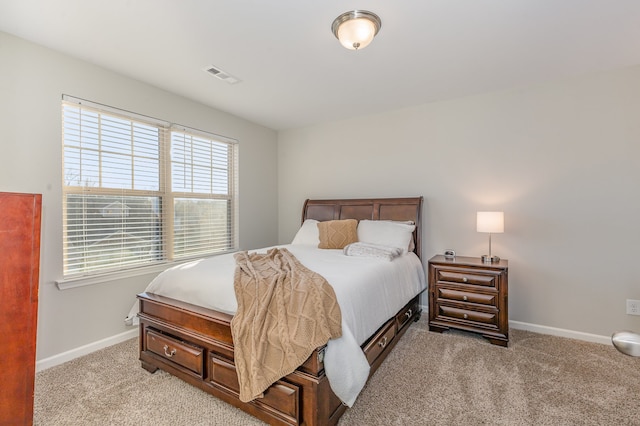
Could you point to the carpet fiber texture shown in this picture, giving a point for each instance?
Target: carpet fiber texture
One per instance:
(429, 379)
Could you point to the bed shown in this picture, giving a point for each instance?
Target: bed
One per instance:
(194, 342)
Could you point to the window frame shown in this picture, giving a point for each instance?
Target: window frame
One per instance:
(165, 194)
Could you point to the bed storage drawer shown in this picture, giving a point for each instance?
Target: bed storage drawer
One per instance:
(179, 352)
(405, 315)
(282, 397)
(378, 342)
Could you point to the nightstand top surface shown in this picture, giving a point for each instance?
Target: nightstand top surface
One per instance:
(468, 261)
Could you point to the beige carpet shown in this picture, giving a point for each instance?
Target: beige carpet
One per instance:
(433, 379)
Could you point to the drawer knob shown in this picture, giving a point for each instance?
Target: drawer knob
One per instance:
(466, 316)
(464, 279)
(409, 313)
(169, 354)
(464, 298)
(382, 343)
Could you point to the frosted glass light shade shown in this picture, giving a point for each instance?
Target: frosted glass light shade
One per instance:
(356, 29)
(357, 32)
(492, 222)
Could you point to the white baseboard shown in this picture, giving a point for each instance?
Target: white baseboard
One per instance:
(543, 329)
(43, 364)
(109, 341)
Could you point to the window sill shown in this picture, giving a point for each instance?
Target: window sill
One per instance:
(68, 283)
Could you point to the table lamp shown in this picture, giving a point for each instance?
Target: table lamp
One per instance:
(493, 223)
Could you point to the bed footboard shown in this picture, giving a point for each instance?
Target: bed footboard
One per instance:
(195, 344)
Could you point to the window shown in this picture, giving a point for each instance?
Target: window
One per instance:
(139, 191)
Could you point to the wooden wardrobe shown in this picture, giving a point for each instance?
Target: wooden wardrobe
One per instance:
(19, 276)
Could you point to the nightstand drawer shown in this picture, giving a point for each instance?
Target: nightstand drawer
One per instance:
(466, 278)
(468, 315)
(464, 296)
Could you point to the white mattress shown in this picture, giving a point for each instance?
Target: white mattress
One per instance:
(369, 291)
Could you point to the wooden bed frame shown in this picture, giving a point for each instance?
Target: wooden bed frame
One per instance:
(195, 343)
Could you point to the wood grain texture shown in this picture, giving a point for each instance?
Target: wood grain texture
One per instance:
(20, 216)
(303, 397)
(468, 294)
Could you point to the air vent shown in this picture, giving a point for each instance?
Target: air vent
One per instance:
(222, 75)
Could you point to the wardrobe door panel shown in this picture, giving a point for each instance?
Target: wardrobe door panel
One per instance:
(20, 216)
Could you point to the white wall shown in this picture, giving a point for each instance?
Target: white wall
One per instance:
(32, 81)
(562, 160)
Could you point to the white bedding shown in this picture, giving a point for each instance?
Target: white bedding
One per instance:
(369, 290)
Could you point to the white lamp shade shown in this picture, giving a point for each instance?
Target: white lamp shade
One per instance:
(356, 33)
(492, 222)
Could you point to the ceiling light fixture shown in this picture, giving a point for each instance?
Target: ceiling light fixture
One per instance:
(356, 29)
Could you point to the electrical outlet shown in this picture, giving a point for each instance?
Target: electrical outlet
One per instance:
(633, 307)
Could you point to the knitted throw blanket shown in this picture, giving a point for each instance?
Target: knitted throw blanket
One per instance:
(285, 311)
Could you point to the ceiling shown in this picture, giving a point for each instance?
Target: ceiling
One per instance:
(294, 72)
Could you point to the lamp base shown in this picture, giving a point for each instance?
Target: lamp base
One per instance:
(490, 259)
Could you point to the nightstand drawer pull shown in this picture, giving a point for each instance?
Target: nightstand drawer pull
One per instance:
(465, 298)
(466, 316)
(464, 279)
(382, 343)
(169, 354)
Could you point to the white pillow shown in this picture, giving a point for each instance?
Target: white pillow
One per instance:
(308, 234)
(387, 233)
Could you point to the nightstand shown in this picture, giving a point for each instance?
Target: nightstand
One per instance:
(467, 294)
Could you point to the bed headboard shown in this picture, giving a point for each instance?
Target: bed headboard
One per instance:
(369, 208)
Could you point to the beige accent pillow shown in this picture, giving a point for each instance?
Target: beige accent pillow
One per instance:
(336, 234)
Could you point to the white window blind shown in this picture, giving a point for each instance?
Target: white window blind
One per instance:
(139, 191)
(200, 166)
